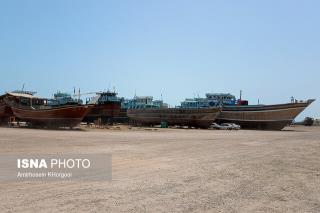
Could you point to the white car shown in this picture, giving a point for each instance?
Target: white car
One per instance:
(225, 126)
(230, 126)
(215, 126)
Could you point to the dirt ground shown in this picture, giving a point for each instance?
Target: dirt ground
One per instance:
(174, 170)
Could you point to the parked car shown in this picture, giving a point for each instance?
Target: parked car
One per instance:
(215, 126)
(225, 126)
(230, 126)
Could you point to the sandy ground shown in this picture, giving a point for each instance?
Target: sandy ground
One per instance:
(174, 170)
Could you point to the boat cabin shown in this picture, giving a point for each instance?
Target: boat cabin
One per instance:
(61, 98)
(211, 100)
(25, 99)
(220, 99)
(140, 102)
(103, 98)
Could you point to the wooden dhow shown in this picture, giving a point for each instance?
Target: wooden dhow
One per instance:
(36, 112)
(106, 106)
(263, 117)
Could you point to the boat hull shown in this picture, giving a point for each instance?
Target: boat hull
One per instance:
(122, 117)
(103, 111)
(66, 116)
(5, 113)
(174, 116)
(262, 117)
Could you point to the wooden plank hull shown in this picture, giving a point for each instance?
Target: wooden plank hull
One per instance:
(174, 116)
(263, 117)
(103, 111)
(66, 116)
(5, 113)
(122, 117)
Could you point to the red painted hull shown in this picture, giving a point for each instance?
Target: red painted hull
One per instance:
(103, 111)
(66, 116)
(5, 113)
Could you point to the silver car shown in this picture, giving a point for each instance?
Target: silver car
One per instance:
(225, 126)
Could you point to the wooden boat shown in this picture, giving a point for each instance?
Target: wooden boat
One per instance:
(263, 117)
(122, 117)
(106, 106)
(36, 112)
(174, 116)
(66, 116)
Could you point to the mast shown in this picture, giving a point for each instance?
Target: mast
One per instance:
(79, 95)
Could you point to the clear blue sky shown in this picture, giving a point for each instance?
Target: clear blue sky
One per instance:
(270, 48)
